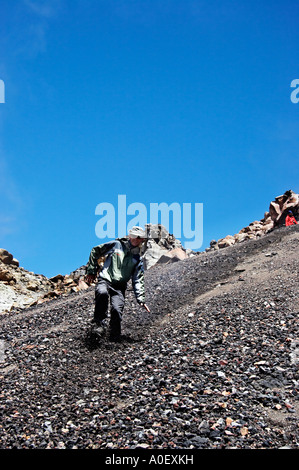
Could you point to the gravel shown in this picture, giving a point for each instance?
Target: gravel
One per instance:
(213, 366)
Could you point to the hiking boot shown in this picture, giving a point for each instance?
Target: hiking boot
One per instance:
(99, 329)
(115, 338)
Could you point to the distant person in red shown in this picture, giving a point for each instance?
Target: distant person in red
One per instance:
(290, 219)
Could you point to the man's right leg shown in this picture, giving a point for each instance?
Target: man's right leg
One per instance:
(101, 306)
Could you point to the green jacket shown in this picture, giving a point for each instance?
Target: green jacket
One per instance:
(122, 263)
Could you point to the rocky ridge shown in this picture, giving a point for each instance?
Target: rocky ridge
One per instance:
(273, 218)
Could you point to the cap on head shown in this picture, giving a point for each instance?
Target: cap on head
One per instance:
(136, 232)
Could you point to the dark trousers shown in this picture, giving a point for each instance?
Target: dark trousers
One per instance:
(103, 292)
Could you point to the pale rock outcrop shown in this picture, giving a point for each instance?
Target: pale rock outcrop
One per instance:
(152, 254)
(229, 240)
(171, 256)
(20, 288)
(162, 247)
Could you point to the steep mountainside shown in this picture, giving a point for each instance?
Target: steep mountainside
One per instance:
(214, 365)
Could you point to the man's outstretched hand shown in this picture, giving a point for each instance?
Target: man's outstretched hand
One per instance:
(89, 278)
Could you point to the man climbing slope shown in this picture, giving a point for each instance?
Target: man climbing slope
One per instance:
(122, 263)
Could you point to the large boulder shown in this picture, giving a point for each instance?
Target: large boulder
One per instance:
(5, 274)
(162, 247)
(152, 253)
(171, 256)
(226, 241)
(7, 258)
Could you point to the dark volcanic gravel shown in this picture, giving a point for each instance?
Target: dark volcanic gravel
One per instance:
(214, 365)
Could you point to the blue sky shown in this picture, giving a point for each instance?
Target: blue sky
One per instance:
(184, 101)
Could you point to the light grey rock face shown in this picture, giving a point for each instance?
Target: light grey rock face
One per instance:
(162, 247)
(19, 288)
(152, 254)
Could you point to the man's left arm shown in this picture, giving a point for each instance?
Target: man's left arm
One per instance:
(138, 284)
